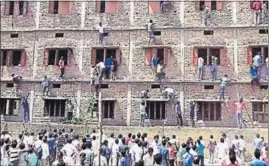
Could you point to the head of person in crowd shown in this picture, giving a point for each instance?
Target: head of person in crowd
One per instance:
(257, 154)
(112, 135)
(123, 140)
(22, 146)
(130, 135)
(258, 135)
(158, 159)
(232, 158)
(94, 137)
(120, 136)
(150, 151)
(222, 140)
(116, 141)
(14, 144)
(138, 135)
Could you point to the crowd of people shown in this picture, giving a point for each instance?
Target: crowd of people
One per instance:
(62, 148)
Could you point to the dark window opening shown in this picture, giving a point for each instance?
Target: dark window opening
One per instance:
(64, 54)
(201, 5)
(203, 53)
(59, 35)
(9, 85)
(99, 55)
(209, 111)
(263, 31)
(160, 55)
(157, 33)
(56, 7)
(209, 87)
(21, 7)
(52, 57)
(56, 85)
(103, 7)
(14, 35)
(11, 7)
(266, 2)
(54, 108)
(9, 107)
(208, 32)
(4, 58)
(111, 53)
(260, 112)
(156, 110)
(155, 86)
(255, 51)
(16, 58)
(108, 108)
(265, 87)
(104, 86)
(213, 5)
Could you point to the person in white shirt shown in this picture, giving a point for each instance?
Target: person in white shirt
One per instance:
(111, 141)
(38, 142)
(101, 33)
(31, 139)
(45, 152)
(235, 144)
(137, 151)
(69, 149)
(200, 68)
(149, 158)
(169, 93)
(257, 61)
(101, 68)
(114, 153)
(150, 27)
(242, 148)
(222, 150)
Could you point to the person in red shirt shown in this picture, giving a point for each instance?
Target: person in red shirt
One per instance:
(172, 151)
(257, 6)
(61, 64)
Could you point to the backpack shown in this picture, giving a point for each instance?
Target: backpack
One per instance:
(39, 152)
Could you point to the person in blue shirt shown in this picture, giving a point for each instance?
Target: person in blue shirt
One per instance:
(108, 63)
(52, 148)
(187, 157)
(192, 113)
(257, 161)
(165, 154)
(258, 143)
(200, 150)
(253, 75)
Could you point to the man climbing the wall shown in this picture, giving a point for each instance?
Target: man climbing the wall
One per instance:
(224, 81)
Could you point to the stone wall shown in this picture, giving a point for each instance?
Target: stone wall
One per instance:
(181, 30)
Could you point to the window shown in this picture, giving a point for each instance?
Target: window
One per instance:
(212, 4)
(263, 50)
(100, 55)
(209, 111)
(260, 112)
(207, 53)
(155, 6)
(106, 6)
(208, 32)
(59, 7)
(13, 58)
(15, 8)
(156, 110)
(59, 34)
(162, 54)
(108, 108)
(263, 31)
(52, 56)
(9, 107)
(14, 35)
(54, 108)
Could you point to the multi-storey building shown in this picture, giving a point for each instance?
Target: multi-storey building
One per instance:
(35, 34)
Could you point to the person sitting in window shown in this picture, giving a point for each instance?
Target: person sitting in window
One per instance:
(101, 68)
(144, 94)
(16, 83)
(62, 65)
(160, 74)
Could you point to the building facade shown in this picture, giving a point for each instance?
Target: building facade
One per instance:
(35, 34)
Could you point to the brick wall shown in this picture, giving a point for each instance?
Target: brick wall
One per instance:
(181, 30)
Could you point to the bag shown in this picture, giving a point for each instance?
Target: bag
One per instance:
(196, 160)
(39, 152)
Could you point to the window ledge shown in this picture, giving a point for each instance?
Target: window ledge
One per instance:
(54, 98)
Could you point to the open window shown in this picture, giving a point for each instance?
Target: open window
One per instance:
(13, 58)
(9, 106)
(54, 108)
(106, 6)
(108, 108)
(15, 8)
(162, 54)
(52, 56)
(101, 54)
(59, 7)
(156, 110)
(207, 53)
(209, 111)
(212, 4)
(260, 112)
